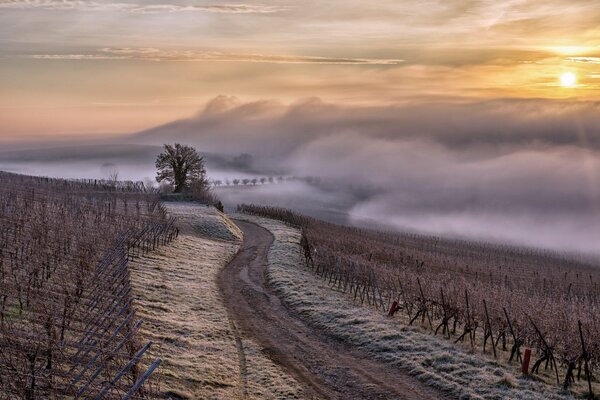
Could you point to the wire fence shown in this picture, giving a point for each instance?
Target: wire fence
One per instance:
(68, 324)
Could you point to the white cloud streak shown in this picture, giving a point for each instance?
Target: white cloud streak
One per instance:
(589, 60)
(153, 54)
(62, 5)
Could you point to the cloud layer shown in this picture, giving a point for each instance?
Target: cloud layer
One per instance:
(63, 5)
(521, 171)
(154, 54)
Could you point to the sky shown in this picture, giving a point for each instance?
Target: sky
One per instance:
(89, 67)
(469, 118)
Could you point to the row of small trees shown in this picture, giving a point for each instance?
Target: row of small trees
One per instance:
(262, 180)
(247, 181)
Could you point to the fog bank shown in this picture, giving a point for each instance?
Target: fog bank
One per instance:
(523, 171)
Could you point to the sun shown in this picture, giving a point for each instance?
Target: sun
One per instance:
(568, 79)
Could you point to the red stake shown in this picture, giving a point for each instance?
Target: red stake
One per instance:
(526, 358)
(393, 308)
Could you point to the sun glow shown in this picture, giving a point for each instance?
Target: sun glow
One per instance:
(571, 50)
(568, 79)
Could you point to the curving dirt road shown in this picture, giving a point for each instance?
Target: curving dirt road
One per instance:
(327, 368)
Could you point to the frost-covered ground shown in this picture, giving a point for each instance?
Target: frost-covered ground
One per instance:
(431, 359)
(175, 290)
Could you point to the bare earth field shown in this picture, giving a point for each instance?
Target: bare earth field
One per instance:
(204, 355)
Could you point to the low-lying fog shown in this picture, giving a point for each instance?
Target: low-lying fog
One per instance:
(523, 171)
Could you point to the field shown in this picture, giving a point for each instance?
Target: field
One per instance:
(205, 356)
(107, 292)
(497, 299)
(67, 323)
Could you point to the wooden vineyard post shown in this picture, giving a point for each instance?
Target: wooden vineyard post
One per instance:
(407, 305)
(548, 354)
(488, 332)
(377, 293)
(585, 360)
(516, 349)
(445, 318)
(468, 328)
(468, 315)
(569, 378)
(424, 305)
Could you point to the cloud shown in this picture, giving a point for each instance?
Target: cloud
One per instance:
(215, 8)
(138, 7)
(78, 57)
(590, 60)
(153, 54)
(509, 170)
(495, 126)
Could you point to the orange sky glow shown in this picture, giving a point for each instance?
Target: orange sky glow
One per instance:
(95, 67)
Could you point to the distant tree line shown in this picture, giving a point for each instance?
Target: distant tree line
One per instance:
(263, 180)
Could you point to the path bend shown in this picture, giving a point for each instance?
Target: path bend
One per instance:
(325, 367)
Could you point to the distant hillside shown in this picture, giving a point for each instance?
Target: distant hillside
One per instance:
(84, 152)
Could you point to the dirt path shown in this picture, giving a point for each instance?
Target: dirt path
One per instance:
(327, 368)
(204, 355)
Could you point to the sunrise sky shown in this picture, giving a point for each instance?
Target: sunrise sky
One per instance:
(92, 67)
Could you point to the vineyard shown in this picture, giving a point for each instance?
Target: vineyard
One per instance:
(499, 298)
(68, 327)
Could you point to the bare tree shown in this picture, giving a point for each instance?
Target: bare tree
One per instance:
(181, 166)
(113, 178)
(112, 173)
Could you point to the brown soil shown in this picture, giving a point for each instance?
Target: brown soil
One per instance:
(327, 368)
